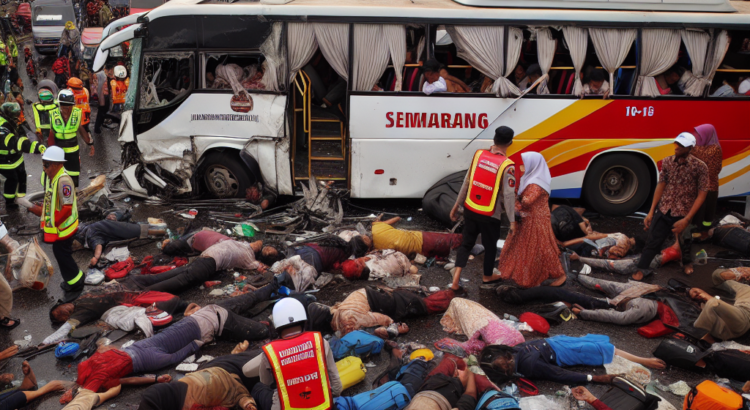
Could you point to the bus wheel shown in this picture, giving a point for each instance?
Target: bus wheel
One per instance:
(225, 175)
(617, 184)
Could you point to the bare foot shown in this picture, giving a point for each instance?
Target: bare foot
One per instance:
(403, 328)
(559, 282)
(574, 256)
(491, 278)
(241, 347)
(6, 378)
(654, 363)
(688, 269)
(29, 380)
(577, 309)
(637, 276)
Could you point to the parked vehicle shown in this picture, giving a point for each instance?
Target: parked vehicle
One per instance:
(48, 18)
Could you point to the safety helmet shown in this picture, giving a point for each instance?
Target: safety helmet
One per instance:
(70, 25)
(54, 154)
(66, 97)
(121, 72)
(10, 110)
(75, 82)
(287, 312)
(46, 96)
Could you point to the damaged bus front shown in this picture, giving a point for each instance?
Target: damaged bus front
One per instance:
(203, 112)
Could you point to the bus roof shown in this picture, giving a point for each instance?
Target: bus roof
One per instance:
(451, 12)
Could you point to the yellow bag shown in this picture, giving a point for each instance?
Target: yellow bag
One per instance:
(351, 371)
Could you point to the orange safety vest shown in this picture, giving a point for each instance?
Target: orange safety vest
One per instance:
(119, 88)
(82, 101)
(485, 182)
(299, 367)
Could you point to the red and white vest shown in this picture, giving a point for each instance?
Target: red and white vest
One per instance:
(485, 179)
(299, 367)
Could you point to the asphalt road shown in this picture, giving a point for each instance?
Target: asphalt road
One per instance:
(33, 306)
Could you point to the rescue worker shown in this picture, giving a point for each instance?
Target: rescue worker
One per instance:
(59, 219)
(81, 95)
(66, 122)
(489, 187)
(42, 110)
(119, 87)
(302, 357)
(4, 55)
(12, 147)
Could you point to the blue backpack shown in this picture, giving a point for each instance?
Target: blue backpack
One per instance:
(495, 400)
(390, 396)
(356, 343)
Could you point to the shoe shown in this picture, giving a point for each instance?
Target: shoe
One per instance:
(71, 295)
(111, 125)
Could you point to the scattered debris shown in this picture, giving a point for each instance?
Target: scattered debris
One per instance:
(186, 368)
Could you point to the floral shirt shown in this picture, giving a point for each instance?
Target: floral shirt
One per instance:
(685, 178)
(712, 156)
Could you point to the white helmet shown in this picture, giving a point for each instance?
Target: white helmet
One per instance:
(54, 154)
(121, 72)
(288, 311)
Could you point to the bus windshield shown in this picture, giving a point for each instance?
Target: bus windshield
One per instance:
(52, 15)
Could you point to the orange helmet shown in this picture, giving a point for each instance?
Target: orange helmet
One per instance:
(75, 82)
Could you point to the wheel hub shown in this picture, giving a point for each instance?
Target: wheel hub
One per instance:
(613, 180)
(618, 184)
(221, 182)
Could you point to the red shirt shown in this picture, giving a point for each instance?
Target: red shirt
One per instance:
(103, 371)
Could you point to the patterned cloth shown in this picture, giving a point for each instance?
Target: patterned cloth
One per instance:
(354, 313)
(712, 156)
(474, 320)
(530, 255)
(684, 179)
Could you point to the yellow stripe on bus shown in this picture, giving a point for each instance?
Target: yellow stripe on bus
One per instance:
(570, 149)
(567, 116)
(732, 177)
(737, 158)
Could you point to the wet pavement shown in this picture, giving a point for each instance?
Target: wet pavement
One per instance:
(33, 306)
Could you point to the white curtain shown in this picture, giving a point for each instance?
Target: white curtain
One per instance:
(395, 36)
(659, 52)
(371, 54)
(578, 41)
(333, 40)
(545, 49)
(275, 64)
(301, 46)
(719, 47)
(696, 43)
(612, 46)
(482, 48)
(515, 42)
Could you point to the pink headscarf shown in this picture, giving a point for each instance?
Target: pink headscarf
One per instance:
(706, 135)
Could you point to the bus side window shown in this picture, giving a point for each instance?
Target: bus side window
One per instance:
(732, 78)
(221, 70)
(459, 75)
(167, 78)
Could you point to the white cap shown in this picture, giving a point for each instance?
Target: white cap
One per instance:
(54, 154)
(288, 311)
(121, 72)
(685, 139)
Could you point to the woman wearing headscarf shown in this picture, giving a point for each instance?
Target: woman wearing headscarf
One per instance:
(708, 150)
(530, 255)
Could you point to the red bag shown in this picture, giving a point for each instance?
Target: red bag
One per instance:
(654, 329)
(120, 269)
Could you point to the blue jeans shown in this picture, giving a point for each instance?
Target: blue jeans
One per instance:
(166, 348)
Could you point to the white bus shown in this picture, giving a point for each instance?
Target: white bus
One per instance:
(224, 94)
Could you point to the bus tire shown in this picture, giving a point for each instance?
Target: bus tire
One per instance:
(225, 175)
(617, 184)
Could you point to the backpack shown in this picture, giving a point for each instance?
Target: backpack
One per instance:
(710, 396)
(357, 343)
(390, 396)
(495, 400)
(626, 395)
(679, 353)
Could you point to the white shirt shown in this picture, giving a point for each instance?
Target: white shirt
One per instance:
(438, 86)
(744, 87)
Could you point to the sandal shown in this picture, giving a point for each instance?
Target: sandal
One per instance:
(4, 324)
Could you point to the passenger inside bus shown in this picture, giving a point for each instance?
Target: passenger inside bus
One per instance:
(596, 84)
(247, 70)
(730, 86)
(534, 72)
(669, 81)
(437, 79)
(520, 79)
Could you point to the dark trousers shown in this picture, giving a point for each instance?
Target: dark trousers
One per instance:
(475, 224)
(179, 279)
(550, 294)
(15, 183)
(13, 401)
(101, 113)
(73, 165)
(239, 328)
(707, 212)
(263, 396)
(413, 374)
(658, 232)
(166, 348)
(63, 251)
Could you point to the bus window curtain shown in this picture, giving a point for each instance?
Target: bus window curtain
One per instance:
(717, 51)
(136, 46)
(612, 45)
(395, 35)
(371, 54)
(578, 41)
(545, 50)
(482, 47)
(660, 51)
(274, 66)
(333, 40)
(301, 46)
